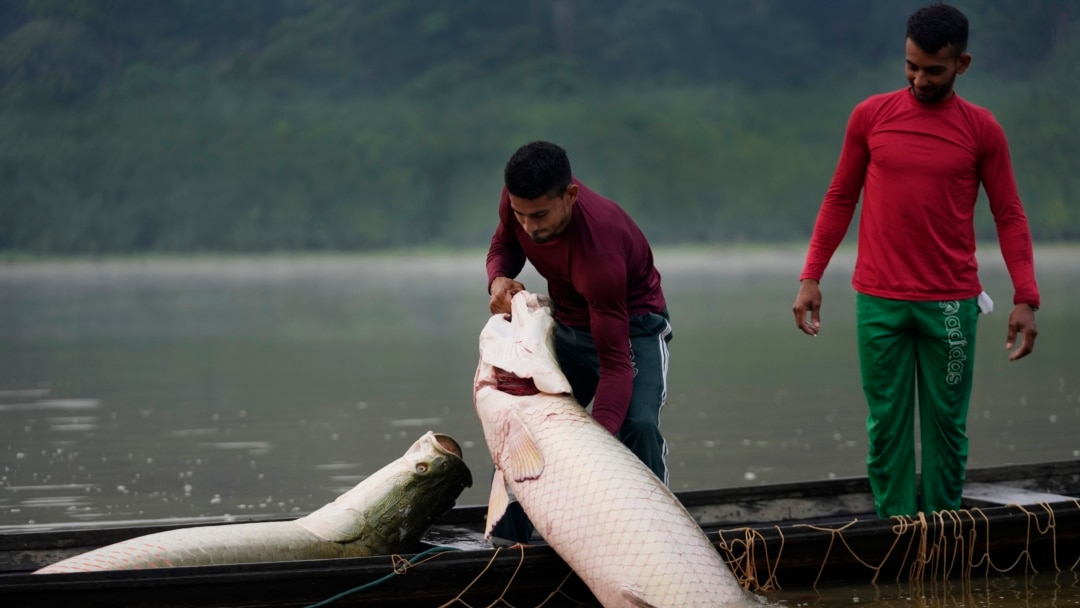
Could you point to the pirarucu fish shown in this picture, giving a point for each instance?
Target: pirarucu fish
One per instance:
(388, 512)
(604, 512)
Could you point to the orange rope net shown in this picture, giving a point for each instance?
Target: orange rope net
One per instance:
(928, 547)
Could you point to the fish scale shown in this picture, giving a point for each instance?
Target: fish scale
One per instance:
(593, 501)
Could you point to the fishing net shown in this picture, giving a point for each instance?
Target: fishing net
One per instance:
(947, 547)
(936, 546)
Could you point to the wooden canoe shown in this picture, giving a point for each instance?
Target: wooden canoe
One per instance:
(1015, 518)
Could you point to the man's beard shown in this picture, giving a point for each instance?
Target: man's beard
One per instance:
(935, 95)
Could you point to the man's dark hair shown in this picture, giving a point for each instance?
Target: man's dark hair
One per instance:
(937, 26)
(537, 169)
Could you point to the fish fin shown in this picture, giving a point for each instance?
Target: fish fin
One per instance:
(525, 459)
(497, 504)
(633, 598)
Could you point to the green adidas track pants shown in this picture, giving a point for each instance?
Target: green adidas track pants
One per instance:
(916, 352)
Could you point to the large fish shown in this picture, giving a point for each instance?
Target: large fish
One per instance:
(386, 513)
(603, 511)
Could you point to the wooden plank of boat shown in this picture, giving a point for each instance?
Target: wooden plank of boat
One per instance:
(990, 494)
(1018, 516)
(937, 546)
(777, 535)
(504, 574)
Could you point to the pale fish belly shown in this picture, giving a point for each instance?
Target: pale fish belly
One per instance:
(208, 545)
(621, 530)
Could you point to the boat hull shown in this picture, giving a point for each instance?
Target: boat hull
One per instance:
(804, 534)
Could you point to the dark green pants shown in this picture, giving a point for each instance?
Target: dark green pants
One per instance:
(916, 353)
(640, 431)
(649, 337)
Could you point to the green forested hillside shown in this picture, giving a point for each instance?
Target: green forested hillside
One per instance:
(260, 125)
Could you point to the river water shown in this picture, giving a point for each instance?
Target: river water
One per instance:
(1043, 590)
(201, 388)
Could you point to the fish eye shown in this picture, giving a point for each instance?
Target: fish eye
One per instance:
(421, 467)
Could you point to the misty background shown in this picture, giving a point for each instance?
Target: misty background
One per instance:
(241, 242)
(180, 126)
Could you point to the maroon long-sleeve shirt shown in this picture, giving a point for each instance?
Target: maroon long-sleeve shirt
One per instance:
(921, 166)
(599, 271)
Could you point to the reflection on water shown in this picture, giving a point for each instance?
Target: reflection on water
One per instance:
(45, 404)
(1013, 590)
(1000, 591)
(234, 388)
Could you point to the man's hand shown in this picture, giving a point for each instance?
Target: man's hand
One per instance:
(808, 300)
(502, 290)
(1021, 321)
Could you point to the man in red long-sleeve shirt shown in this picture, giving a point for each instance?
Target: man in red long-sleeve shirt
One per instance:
(612, 325)
(918, 155)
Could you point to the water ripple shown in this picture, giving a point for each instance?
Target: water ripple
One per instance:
(52, 404)
(414, 422)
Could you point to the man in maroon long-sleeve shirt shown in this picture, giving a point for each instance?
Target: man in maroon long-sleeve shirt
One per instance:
(918, 156)
(612, 324)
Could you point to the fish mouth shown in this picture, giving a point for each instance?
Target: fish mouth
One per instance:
(448, 455)
(506, 382)
(517, 354)
(441, 443)
(503, 381)
(512, 384)
(445, 444)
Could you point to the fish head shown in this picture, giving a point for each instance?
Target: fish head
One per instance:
(434, 469)
(432, 476)
(396, 505)
(517, 351)
(517, 373)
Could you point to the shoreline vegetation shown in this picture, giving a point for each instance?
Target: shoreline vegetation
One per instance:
(265, 126)
(785, 257)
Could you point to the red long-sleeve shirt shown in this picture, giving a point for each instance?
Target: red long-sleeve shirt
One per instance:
(919, 167)
(599, 271)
